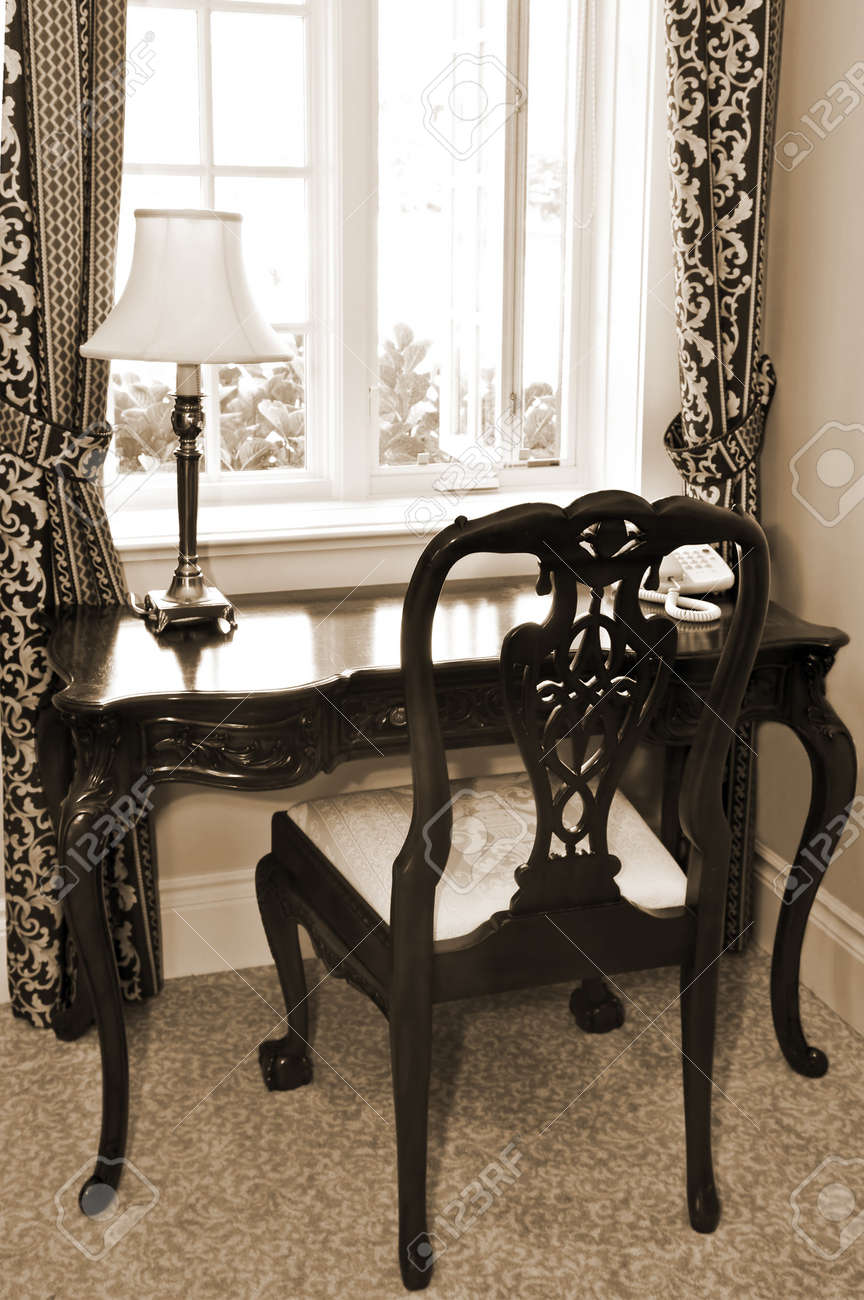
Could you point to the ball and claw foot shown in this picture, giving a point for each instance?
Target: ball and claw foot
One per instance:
(596, 1015)
(704, 1208)
(283, 1072)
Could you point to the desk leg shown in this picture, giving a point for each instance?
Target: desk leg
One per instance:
(57, 765)
(72, 1022)
(86, 825)
(833, 767)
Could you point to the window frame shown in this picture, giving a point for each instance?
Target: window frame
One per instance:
(341, 330)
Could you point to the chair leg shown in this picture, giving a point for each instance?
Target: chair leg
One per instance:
(698, 1018)
(284, 1063)
(411, 1054)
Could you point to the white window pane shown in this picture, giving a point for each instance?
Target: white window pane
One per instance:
(161, 86)
(262, 413)
(444, 98)
(139, 409)
(274, 241)
(259, 89)
(542, 342)
(149, 192)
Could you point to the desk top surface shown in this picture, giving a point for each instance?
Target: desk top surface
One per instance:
(286, 642)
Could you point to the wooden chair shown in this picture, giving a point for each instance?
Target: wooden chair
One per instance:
(579, 693)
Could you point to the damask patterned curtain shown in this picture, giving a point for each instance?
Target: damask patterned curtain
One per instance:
(722, 66)
(60, 171)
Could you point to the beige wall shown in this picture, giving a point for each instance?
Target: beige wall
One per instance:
(814, 332)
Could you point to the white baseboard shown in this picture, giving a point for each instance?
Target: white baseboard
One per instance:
(832, 960)
(4, 982)
(210, 923)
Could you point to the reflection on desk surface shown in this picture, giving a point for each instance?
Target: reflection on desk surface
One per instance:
(283, 642)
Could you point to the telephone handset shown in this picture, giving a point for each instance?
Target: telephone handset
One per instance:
(683, 573)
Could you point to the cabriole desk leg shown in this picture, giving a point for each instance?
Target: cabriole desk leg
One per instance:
(85, 827)
(833, 767)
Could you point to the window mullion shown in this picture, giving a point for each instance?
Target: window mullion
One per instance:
(589, 228)
(515, 196)
(210, 375)
(574, 145)
(356, 292)
(576, 232)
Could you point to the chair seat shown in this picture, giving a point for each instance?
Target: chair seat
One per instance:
(493, 831)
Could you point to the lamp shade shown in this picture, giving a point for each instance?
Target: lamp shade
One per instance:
(187, 299)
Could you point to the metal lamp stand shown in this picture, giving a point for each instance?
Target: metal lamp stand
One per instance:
(189, 598)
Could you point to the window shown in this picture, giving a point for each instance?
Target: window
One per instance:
(474, 225)
(426, 188)
(218, 116)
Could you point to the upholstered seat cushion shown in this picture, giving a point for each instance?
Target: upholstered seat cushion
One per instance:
(493, 831)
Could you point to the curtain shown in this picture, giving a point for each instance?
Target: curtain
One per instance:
(722, 70)
(60, 174)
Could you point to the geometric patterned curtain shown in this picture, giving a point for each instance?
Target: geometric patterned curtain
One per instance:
(60, 174)
(722, 72)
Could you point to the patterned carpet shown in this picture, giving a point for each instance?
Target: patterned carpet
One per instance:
(274, 1195)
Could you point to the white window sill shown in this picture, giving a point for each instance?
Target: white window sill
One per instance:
(267, 527)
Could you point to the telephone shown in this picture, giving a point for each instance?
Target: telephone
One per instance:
(684, 572)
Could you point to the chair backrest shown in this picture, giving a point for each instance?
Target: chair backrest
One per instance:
(579, 689)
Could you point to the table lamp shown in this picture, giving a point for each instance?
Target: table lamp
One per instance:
(186, 301)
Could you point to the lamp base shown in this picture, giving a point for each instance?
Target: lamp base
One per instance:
(187, 603)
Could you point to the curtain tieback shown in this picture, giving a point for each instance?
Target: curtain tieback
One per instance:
(46, 444)
(722, 458)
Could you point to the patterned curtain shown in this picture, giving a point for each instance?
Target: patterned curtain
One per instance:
(722, 70)
(60, 171)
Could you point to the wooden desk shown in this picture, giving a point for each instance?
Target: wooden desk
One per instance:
(304, 684)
